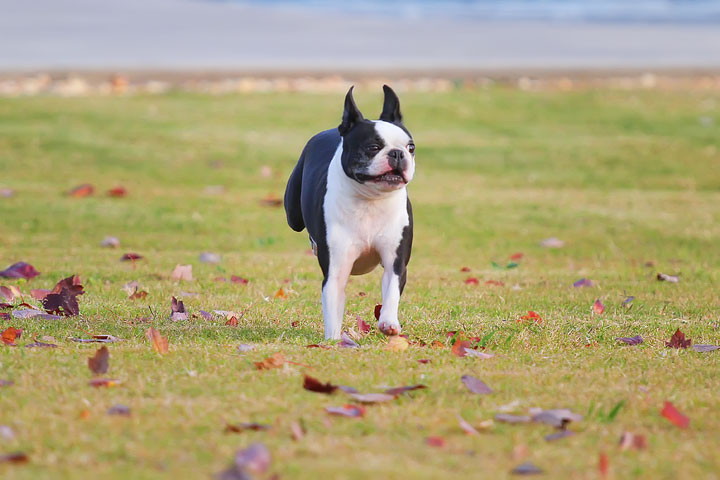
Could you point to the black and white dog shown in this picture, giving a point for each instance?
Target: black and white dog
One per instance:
(348, 190)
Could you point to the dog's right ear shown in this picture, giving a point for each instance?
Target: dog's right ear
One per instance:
(351, 114)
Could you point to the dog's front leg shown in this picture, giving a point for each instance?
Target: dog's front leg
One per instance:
(341, 259)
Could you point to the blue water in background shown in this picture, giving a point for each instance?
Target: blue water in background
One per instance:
(615, 11)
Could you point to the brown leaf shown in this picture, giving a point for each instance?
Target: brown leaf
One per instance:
(673, 414)
(678, 340)
(401, 390)
(475, 385)
(362, 326)
(434, 441)
(16, 458)
(62, 300)
(634, 441)
(10, 334)
(20, 270)
(182, 272)
(460, 346)
(598, 307)
(314, 385)
(84, 190)
(100, 363)
(424, 361)
(276, 360)
(177, 310)
(160, 343)
(280, 293)
(131, 256)
(39, 293)
(232, 322)
(397, 344)
(354, 411)
(138, 294)
(316, 345)
(271, 200)
(376, 312)
(242, 427)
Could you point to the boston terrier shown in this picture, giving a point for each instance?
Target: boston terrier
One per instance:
(349, 190)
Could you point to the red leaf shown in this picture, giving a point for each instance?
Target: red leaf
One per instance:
(20, 270)
(117, 192)
(233, 322)
(437, 442)
(83, 190)
(598, 307)
(603, 464)
(424, 361)
(472, 281)
(676, 418)
(465, 269)
(10, 334)
(131, 256)
(240, 280)
(377, 311)
(39, 293)
(271, 200)
(16, 458)
(99, 363)
(103, 382)
(495, 283)
(678, 340)
(63, 298)
(532, 317)
(517, 256)
(362, 326)
(314, 385)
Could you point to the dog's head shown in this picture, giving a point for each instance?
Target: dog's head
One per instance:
(379, 154)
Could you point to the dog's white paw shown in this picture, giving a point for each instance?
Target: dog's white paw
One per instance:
(389, 328)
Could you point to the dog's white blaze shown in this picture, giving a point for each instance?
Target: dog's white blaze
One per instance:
(394, 137)
(360, 219)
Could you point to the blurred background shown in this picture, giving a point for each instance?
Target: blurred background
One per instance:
(426, 37)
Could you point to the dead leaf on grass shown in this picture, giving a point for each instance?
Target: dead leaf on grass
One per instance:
(598, 308)
(352, 411)
(466, 427)
(435, 441)
(182, 272)
(397, 344)
(674, 416)
(62, 300)
(314, 385)
(20, 270)
(177, 310)
(280, 294)
(636, 340)
(104, 382)
(10, 334)
(15, 458)
(629, 441)
(705, 348)
(276, 360)
(242, 427)
(527, 468)
(678, 340)
(372, 397)
(297, 431)
(131, 257)
(117, 192)
(362, 326)
(662, 277)
(401, 390)
(100, 362)
(583, 282)
(347, 342)
(160, 343)
(84, 190)
(475, 385)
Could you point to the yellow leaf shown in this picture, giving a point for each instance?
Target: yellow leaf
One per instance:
(397, 344)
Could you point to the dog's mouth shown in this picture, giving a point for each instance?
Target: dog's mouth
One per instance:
(392, 177)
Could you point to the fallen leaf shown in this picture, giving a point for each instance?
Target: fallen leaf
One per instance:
(280, 293)
(598, 307)
(110, 242)
(6, 383)
(396, 344)
(526, 468)
(532, 317)
(182, 272)
(507, 418)
(434, 441)
(424, 361)
(100, 362)
(559, 435)
(676, 418)
(297, 431)
(465, 269)
(16, 458)
(240, 280)
(377, 310)
(254, 459)
(437, 344)
(495, 283)
(466, 427)
(636, 340)
(372, 397)
(138, 294)
(242, 427)
(583, 282)
(552, 242)
(103, 382)
(461, 346)
(627, 303)
(353, 411)
(634, 441)
(705, 348)
(276, 360)
(314, 385)
(232, 322)
(62, 300)
(517, 256)
(662, 277)
(209, 257)
(401, 390)
(117, 192)
(37, 344)
(10, 293)
(39, 293)
(160, 343)
(97, 339)
(678, 340)
(469, 352)
(362, 326)
(558, 417)
(245, 347)
(119, 410)
(475, 385)
(10, 334)
(603, 465)
(347, 342)
(7, 192)
(271, 200)
(84, 190)
(317, 345)
(177, 310)
(131, 257)
(20, 270)
(471, 281)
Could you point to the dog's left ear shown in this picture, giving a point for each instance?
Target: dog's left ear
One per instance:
(351, 114)
(391, 107)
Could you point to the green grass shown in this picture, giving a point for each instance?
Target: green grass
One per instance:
(623, 177)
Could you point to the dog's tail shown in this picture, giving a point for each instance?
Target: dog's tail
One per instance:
(293, 208)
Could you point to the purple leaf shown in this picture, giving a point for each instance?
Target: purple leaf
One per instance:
(475, 385)
(636, 340)
(705, 348)
(583, 282)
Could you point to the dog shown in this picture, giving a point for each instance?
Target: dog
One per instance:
(349, 190)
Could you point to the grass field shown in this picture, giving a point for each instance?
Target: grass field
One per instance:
(622, 177)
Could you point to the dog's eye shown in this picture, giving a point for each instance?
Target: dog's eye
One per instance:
(411, 148)
(374, 148)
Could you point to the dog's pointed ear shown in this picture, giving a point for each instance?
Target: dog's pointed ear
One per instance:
(351, 114)
(391, 107)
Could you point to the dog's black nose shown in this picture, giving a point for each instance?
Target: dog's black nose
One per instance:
(396, 159)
